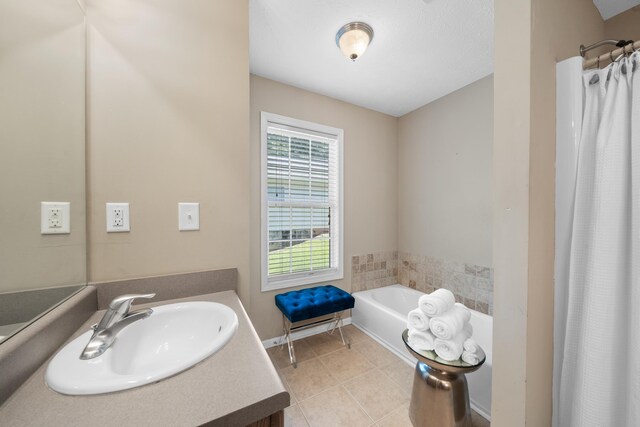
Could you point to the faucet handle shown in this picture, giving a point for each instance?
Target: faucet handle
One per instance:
(127, 299)
(118, 309)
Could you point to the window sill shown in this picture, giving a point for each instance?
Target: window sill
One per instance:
(301, 281)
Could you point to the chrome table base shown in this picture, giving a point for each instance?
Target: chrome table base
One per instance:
(440, 396)
(439, 399)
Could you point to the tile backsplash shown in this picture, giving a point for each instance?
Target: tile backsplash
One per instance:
(471, 284)
(374, 270)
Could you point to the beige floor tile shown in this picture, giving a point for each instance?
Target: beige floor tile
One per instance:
(375, 353)
(334, 408)
(478, 420)
(308, 379)
(293, 417)
(346, 363)
(400, 373)
(280, 354)
(287, 387)
(324, 343)
(354, 334)
(397, 418)
(376, 393)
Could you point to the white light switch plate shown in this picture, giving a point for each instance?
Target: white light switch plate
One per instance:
(118, 217)
(55, 217)
(188, 216)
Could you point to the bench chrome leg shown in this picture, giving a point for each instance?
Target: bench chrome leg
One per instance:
(288, 327)
(337, 323)
(287, 334)
(348, 342)
(292, 353)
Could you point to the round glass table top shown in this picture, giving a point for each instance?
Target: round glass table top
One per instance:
(432, 359)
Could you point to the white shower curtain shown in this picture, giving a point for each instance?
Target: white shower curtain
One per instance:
(600, 377)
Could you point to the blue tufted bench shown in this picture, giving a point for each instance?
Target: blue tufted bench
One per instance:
(312, 307)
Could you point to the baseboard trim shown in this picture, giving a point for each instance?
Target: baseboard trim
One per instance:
(272, 342)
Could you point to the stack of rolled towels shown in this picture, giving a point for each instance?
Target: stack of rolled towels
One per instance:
(442, 325)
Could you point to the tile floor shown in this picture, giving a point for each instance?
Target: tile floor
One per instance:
(334, 386)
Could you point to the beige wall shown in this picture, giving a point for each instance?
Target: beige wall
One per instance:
(444, 176)
(168, 113)
(42, 148)
(370, 180)
(624, 26)
(530, 37)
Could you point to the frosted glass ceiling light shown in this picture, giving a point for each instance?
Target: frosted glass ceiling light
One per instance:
(353, 39)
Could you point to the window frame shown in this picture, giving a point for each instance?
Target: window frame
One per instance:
(304, 278)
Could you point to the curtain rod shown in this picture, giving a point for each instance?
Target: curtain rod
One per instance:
(584, 50)
(629, 48)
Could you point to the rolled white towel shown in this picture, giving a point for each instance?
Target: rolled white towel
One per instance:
(437, 302)
(418, 320)
(471, 346)
(421, 340)
(470, 358)
(449, 324)
(451, 349)
(469, 328)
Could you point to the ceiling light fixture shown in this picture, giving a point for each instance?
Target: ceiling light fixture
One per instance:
(353, 39)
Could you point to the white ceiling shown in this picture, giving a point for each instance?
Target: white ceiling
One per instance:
(610, 8)
(421, 49)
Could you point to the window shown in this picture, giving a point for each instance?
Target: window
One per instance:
(301, 202)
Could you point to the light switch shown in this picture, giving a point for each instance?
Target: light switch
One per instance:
(55, 217)
(188, 216)
(118, 217)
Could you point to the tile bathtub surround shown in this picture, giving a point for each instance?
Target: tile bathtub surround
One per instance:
(366, 385)
(471, 284)
(374, 270)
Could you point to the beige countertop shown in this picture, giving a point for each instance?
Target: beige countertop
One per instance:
(234, 387)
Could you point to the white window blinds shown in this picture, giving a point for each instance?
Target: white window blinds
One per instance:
(303, 212)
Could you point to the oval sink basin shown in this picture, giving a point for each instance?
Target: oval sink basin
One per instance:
(173, 338)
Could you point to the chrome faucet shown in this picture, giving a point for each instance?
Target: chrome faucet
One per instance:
(114, 320)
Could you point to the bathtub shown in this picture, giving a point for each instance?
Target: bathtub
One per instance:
(382, 314)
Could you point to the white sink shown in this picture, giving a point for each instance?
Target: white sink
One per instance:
(173, 338)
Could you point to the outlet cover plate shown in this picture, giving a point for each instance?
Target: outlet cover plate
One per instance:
(55, 217)
(188, 216)
(118, 218)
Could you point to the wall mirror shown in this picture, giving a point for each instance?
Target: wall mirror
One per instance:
(42, 157)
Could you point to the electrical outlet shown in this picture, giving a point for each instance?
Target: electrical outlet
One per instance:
(118, 217)
(55, 218)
